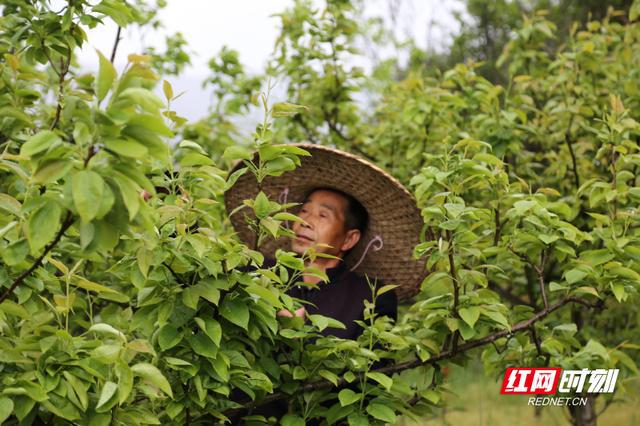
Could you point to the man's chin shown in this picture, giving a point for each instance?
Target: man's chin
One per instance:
(300, 248)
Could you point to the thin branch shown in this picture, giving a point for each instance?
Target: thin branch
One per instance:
(177, 278)
(115, 45)
(540, 271)
(68, 221)
(567, 140)
(64, 69)
(519, 327)
(496, 236)
(456, 289)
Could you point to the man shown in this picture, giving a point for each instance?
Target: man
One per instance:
(352, 210)
(334, 222)
(327, 181)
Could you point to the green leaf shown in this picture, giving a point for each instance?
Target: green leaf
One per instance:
(465, 330)
(106, 76)
(201, 344)
(574, 275)
(348, 397)
(167, 89)
(106, 354)
(125, 381)
(39, 142)
(130, 193)
(286, 109)
(126, 147)
(261, 205)
(272, 225)
(221, 368)
(497, 317)
(596, 257)
(587, 290)
(117, 11)
(333, 378)
(236, 311)
(152, 374)
(79, 388)
(51, 171)
(237, 152)
(356, 419)
(625, 272)
(263, 293)
(381, 412)
(10, 204)
(470, 315)
(43, 225)
(634, 11)
(87, 189)
(207, 289)
(108, 329)
(108, 391)
(386, 288)
(186, 144)
(144, 98)
(168, 337)
(618, 291)
(212, 329)
(6, 408)
(81, 282)
(381, 378)
(292, 420)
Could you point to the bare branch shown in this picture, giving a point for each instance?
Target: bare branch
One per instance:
(115, 45)
(68, 221)
(567, 140)
(540, 271)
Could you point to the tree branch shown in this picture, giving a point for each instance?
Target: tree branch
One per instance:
(68, 221)
(567, 140)
(448, 354)
(496, 237)
(540, 271)
(175, 275)
(64, 69)
(115, 45)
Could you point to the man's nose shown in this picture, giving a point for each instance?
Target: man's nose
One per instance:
(308, 221)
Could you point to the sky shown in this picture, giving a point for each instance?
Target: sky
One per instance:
(249, 27)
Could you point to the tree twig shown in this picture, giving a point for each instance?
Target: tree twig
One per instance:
(64, 69)
(68, 221)
(175, 275)
(540, 271)
(115, 45)
(567, 140)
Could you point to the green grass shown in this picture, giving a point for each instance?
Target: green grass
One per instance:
(475, 400)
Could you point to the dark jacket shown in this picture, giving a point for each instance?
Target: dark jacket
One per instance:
(342, 298)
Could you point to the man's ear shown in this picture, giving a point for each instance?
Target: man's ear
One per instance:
(351, 239)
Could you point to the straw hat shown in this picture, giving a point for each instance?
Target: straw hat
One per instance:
(394, 224)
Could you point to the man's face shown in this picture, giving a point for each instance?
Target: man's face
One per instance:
(324, 212)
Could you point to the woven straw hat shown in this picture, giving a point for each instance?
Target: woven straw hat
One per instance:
(394, 224)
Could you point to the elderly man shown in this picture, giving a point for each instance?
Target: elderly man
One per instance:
(353, 211)
(334, 222)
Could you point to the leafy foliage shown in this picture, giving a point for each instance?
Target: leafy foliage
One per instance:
(126, 298)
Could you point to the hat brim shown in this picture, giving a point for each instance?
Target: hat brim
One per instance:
(392, 210)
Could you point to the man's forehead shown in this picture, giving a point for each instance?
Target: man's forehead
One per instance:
(329, 199)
